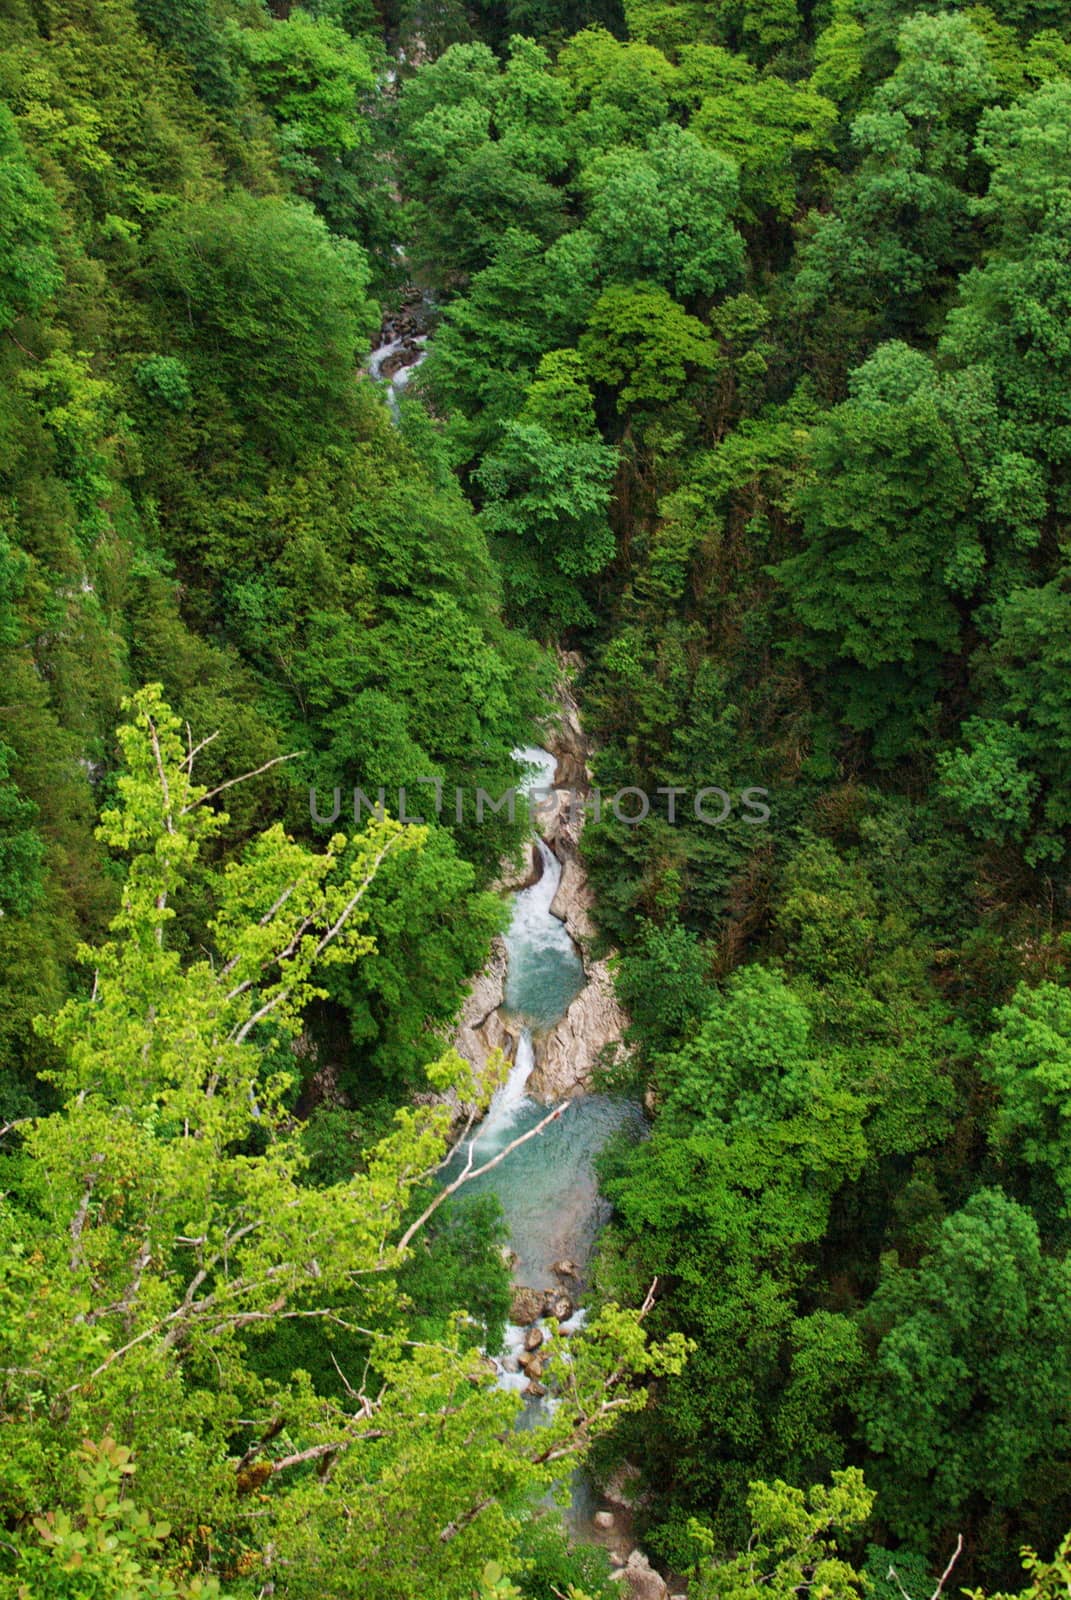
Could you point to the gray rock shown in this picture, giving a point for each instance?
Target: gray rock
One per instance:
(644, 1583)
(480, 1027)
(566, 1056)
(521, 874)
(622, 1488)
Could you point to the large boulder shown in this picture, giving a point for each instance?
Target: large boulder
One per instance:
(557, 1304)
(642, 1582)
(526, 1305)
(513, 876)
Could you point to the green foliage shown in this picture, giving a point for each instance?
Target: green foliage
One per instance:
(661, 215)
(773, 130)
(548, 484)
(103, 1547)
(311, 75)
(158, 1221)
(166, 380)
(793, 1542)
(20, 845)
(193, 29)
(748, 380)
(887, 543)
(264, 287)
(950, 1408)
(480, 146)
(641, 342)
(29, 271)
(1028, 1058)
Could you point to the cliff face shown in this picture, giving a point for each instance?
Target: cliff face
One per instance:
(589, 1033)
(481, 1027)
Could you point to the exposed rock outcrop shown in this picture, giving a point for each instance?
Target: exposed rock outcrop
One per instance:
(561, 820)
(573, 901)
(481, 1027)
(642, 1582)
(521, 874)
(566, 1056)
(565, 737)
(558, 1305)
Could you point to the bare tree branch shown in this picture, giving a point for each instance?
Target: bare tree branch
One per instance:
(78, 1221)
(471, 1172)
(245, 777)
(947, 1573)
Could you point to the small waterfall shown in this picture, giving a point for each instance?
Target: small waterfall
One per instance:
(508, 1101)
(382, 354)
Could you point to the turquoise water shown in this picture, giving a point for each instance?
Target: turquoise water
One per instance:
(545, 973)
(548, 1188)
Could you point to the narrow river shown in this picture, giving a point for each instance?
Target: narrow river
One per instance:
(547, 1188)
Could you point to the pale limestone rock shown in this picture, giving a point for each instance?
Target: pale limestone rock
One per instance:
(644, 1583)
(513, 876)
(574, 900)
(481, 1027)
(564, 735)
(567, 1055)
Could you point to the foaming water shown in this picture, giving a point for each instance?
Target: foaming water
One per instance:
(547, 1187)
(509, 1101)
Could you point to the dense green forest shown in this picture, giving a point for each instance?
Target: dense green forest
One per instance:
(749, 382)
